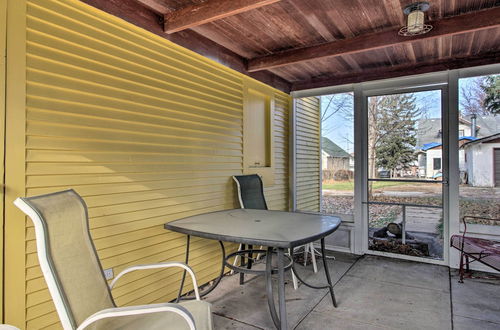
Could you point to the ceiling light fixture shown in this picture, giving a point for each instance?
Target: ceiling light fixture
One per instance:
(415, 23)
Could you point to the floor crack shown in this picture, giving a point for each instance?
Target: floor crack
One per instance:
(327, 293)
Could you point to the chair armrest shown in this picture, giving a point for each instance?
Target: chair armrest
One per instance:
(157, 266)
(137, 310)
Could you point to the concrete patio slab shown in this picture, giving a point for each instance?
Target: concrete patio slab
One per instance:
(322, 321)
(224, 323)
(372, 292)
(407, 273)
(388, 305)
(466, 323)
(248, 303)
(475, 299)
(338, 264)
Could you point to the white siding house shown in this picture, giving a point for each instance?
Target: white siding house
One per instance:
(333, 157)
(434, 163)
(482, 159)
(472, 163)
(324, 160)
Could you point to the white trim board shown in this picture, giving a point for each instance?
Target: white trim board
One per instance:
(447, 82)
(440, 76)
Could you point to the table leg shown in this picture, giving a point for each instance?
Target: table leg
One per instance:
(281, 288)
(214, 284)
(242, 263)
(188, 240)
(221, 274)
(327, 272)
(250, 257)
(269, 287)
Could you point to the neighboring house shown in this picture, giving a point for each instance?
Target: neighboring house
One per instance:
(482, 160)
(429, 160)
(429, 157)
(333, 157)
(429, 130)
(429, 145)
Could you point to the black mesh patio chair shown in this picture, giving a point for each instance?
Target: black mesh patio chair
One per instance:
(251, 196)
(250, 192)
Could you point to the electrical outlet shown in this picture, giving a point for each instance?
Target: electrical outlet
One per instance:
(108, 273)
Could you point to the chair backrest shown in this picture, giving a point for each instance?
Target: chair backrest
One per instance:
(250, 192)
(67, 255)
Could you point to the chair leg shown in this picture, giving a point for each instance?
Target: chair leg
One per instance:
(295, 281)
(306, 250)
(461, 268)
(294, 278)
(313, 257)
(235, 261)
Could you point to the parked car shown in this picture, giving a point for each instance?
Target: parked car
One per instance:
(438, 176)
(384, 174)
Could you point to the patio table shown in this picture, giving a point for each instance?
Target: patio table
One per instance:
(278, 230)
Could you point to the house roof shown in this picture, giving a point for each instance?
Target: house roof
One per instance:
(483, 140)
(429, 129)
(488, 125)
(332, 149)
(432, 145)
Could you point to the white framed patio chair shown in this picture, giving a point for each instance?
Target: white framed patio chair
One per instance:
(251, 196)
(75, 278)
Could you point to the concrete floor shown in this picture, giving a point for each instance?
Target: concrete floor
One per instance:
(372, 293)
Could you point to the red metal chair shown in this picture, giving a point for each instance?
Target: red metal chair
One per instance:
(483, 250)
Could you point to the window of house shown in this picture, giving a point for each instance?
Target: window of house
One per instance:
(461, 133)
(436, 164)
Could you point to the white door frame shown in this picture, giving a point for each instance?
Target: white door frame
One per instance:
(449, 78)
(422, 86)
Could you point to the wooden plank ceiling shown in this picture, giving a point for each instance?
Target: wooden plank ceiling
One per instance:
(300, 44)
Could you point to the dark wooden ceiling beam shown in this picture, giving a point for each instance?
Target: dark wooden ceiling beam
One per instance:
(444, 27)
(132, 11)
(397, 71)
(158, 6)
(211, 10)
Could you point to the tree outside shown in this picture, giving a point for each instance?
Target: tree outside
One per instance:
(491, 87)
(480, 96)
(392, 133)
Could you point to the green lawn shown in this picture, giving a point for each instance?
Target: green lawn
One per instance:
(349, 185)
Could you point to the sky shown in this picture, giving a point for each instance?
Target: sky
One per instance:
(340, 127)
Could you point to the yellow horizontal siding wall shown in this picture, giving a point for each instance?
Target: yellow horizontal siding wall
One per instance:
(146, 131)
(308, 153)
